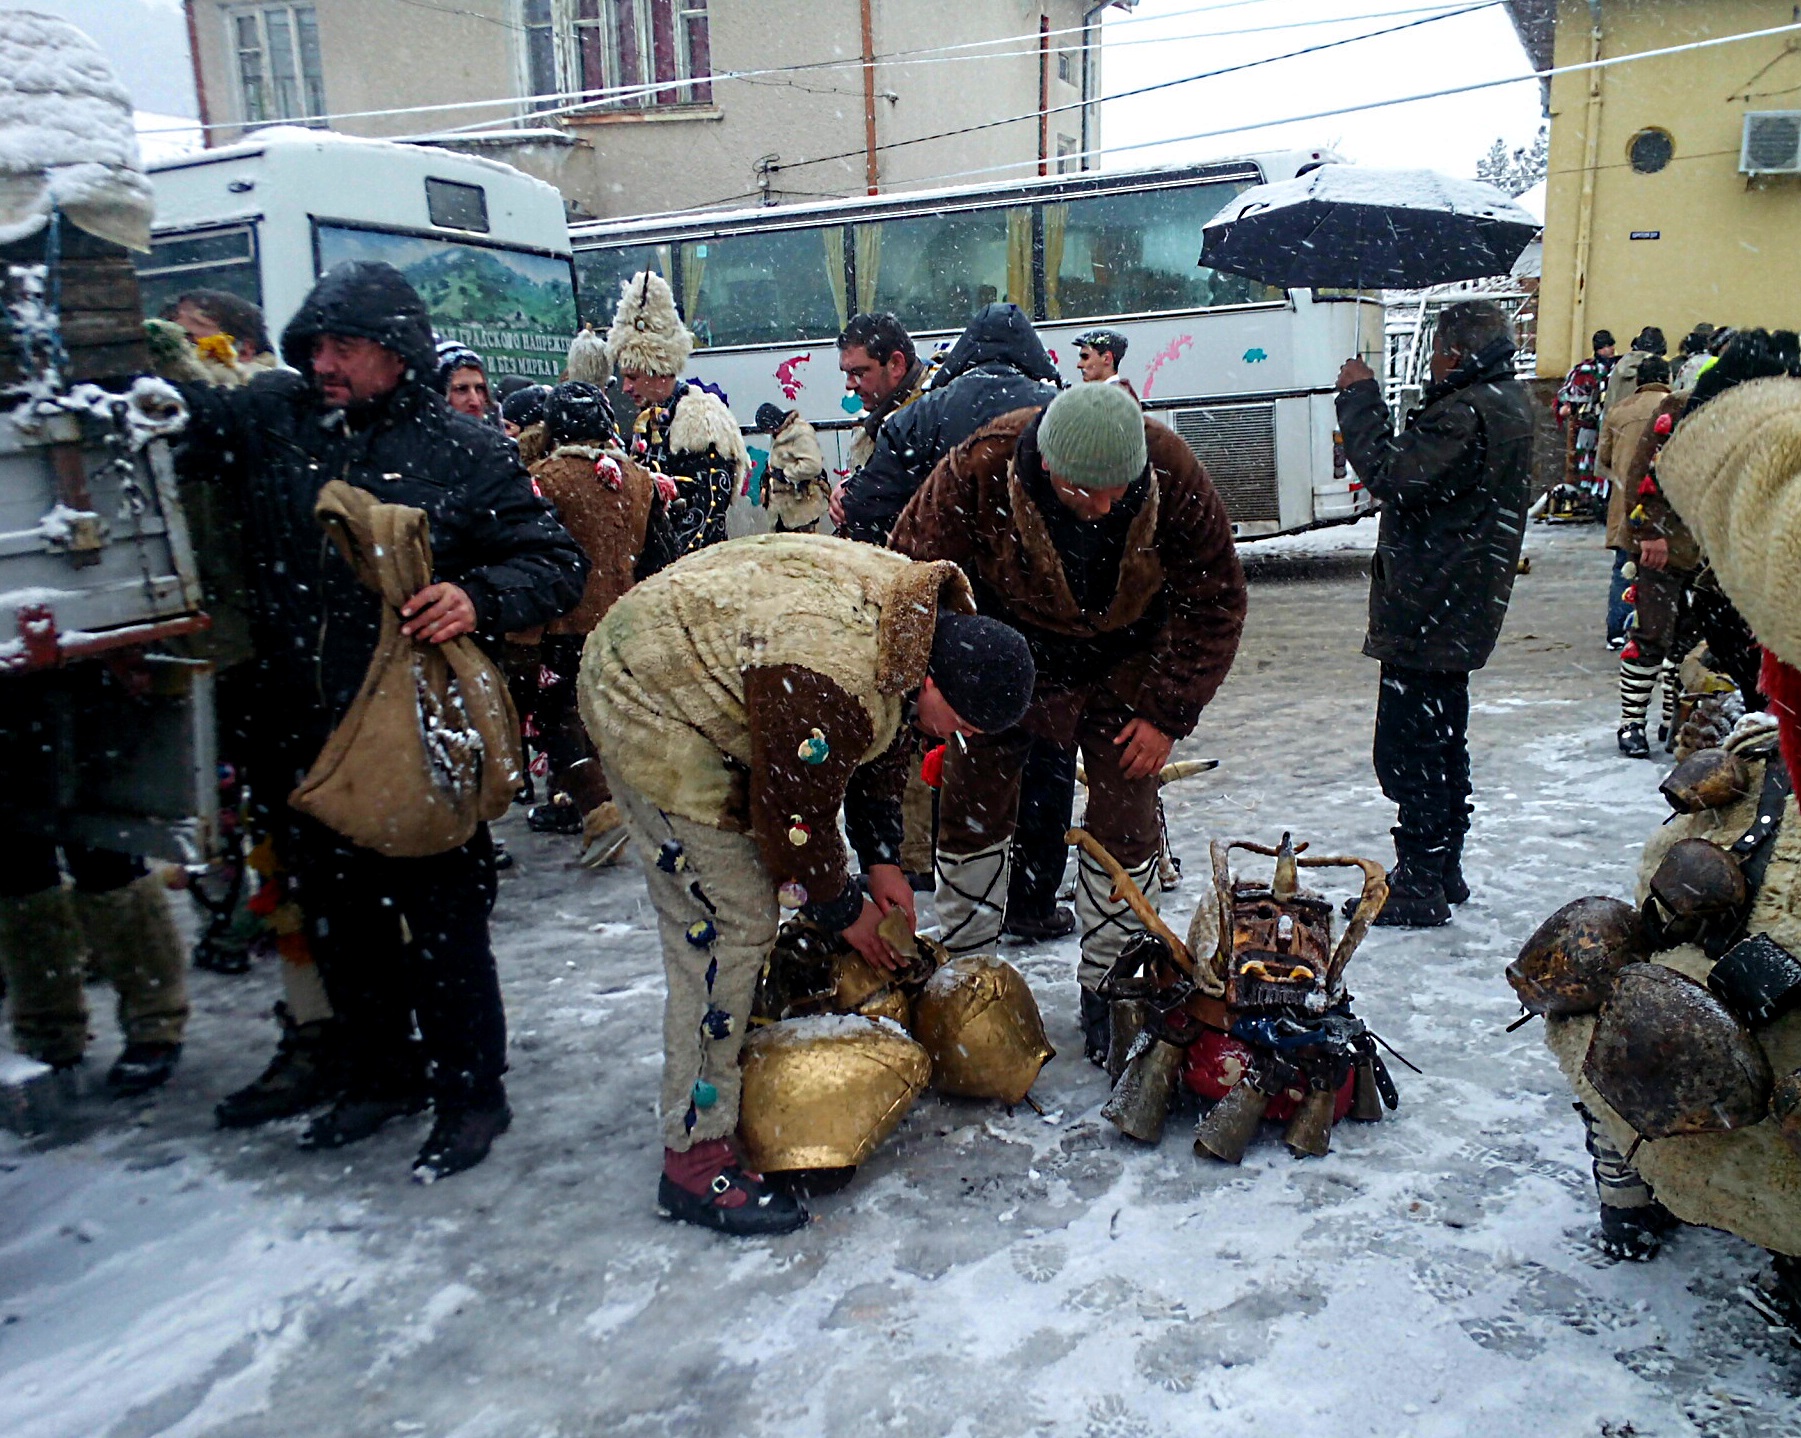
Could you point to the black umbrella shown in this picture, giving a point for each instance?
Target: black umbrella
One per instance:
(1345, 227)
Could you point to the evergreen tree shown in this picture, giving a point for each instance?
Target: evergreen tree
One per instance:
(1518, 170)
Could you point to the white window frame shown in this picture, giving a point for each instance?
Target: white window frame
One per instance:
(566, 25)
(260, 13)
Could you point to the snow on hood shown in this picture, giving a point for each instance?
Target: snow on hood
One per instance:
(1395, 189)
(67, 139)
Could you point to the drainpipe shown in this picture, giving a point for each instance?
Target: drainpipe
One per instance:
(206, 136)
(1044, 94)
(869, 167)
(1585, 208)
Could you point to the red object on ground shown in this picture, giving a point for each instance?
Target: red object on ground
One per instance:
(931, 768)
(1216, 1062)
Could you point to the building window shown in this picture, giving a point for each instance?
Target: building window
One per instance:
(1066, 66)
(279, 75)
(1067, 158)
(642, 53)
(1650, 150)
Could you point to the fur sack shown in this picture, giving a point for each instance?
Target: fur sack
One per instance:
(429, 747)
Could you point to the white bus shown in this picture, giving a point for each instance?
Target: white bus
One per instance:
(486, 246)
(1243, 372)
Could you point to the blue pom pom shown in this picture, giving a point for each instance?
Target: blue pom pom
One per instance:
(705, 1095)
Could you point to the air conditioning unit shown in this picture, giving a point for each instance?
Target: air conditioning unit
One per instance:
(1772, 143)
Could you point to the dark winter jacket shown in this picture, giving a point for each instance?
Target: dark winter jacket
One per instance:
(1453, 487)
(1148, 605)
(275, 441)
(997, 366)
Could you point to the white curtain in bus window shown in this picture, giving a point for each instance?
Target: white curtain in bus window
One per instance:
(602, 273)
(1135, 253)
(516, 310)
(936, 271)
(772, 287)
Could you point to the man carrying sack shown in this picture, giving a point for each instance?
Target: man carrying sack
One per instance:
(740, 699)
(372, 695)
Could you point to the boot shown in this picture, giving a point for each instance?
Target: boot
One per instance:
(1456, 890)
(706, 1186)
(359, 1114)
(1635, 1234)
(1416, 893)
(307, 1070)
(1036, 928)
(1632, 741)
(141, 1068)
(559, 816)
(460, 1138)
(1097, 1028)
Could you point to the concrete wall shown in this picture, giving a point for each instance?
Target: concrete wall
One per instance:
(380, 54)
(1726, 251)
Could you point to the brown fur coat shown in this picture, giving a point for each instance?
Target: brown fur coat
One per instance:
(609, 524)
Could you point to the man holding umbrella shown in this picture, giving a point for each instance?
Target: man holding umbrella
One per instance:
(1453, 486)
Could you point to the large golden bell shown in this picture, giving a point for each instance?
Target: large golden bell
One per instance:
(979, 1022)
(822, 1092)
(859, 987)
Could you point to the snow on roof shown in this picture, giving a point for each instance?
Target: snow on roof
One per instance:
(67, 140)
(1532, 201)
(1398, 189)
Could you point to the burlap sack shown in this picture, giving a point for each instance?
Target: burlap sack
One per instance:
(429, 747)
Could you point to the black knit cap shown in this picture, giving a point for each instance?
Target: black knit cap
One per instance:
(1603, 338)
(578, 411)
(984, 670)
(525, 406)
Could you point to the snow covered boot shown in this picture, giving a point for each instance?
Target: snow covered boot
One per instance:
(1416, 890)
(307, 1070)
(971, 893)
(1633, 743)
(559, 816)
(1635, 1235)
(1059, 923)
(1456, 890)
(142, 1067)
(1097, 1028)
(707, 1186)
(460, 1138)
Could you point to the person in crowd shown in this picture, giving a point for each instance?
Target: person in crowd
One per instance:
(463, 380)
(740, 700)
(1624, 375)
(396, 940)
(523, 408)
(1098, 355)
(1621, 431)
(880, 367)
(111, 920)
(1692, 357)
(1579, 401)
(997, 364)
(682, 431)
(1663, 554)
(1096, 533)
(615, 511)
(224, 326)
(1453, 486)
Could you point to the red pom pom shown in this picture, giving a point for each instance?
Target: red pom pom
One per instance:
(1631, 651)
(1631, 594)
(931, 768)
(1662, 425)
(1647, 487)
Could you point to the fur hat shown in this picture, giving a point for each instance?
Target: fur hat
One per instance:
(648, 335)
(588, 362)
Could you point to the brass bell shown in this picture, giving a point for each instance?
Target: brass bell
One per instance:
(1125, 1022)
(1309, 1131)
(858, 987)
(1707, 779)
(978, 1020)
(1698, 879)
(822, 1092)
(1569, 963)
(1366, 1095)
(1140, 1102)
(1670, 1058)
(1229, 1127)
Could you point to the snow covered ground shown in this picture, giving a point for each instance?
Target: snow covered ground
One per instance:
(989, 1274)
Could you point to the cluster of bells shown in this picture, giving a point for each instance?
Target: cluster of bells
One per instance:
(839, 1051)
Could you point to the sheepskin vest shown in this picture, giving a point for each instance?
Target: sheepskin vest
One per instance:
(1748, 1181)
(607, 523)
(662, 676)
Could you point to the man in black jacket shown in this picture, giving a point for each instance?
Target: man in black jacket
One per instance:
(1453, 486)
(395, 939)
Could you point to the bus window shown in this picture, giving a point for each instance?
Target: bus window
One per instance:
(454, 206)
(209, 260)
(513, 308)
(1135, 254)
(768, 288)
(600, 273)
(935, 271)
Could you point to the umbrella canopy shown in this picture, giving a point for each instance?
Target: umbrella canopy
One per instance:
(1345, 227)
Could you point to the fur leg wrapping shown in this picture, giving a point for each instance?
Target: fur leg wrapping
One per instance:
(44, 955)
(132, 939)
(971, 897)
(1105, 924)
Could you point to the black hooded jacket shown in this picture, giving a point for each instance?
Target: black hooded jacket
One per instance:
(274, 445)
(998, 365)
(1453, 486)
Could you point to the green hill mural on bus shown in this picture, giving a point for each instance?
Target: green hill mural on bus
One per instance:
(516, 310)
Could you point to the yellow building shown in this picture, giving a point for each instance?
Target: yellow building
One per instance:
(1651, 218)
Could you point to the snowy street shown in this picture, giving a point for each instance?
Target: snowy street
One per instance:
(988, 1274)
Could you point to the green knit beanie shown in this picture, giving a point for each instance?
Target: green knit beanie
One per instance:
(1092, 436)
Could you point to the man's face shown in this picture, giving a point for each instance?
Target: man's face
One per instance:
(870, 379)
(1086, 504)
(645, 390)
(199, 327)
(349, 368)
(935, 715)
(1604, 352)
(468, 392)
(1443, 361)
(1095, 365)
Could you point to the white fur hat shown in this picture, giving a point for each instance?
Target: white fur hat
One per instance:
(648, 336)
(588, 361)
